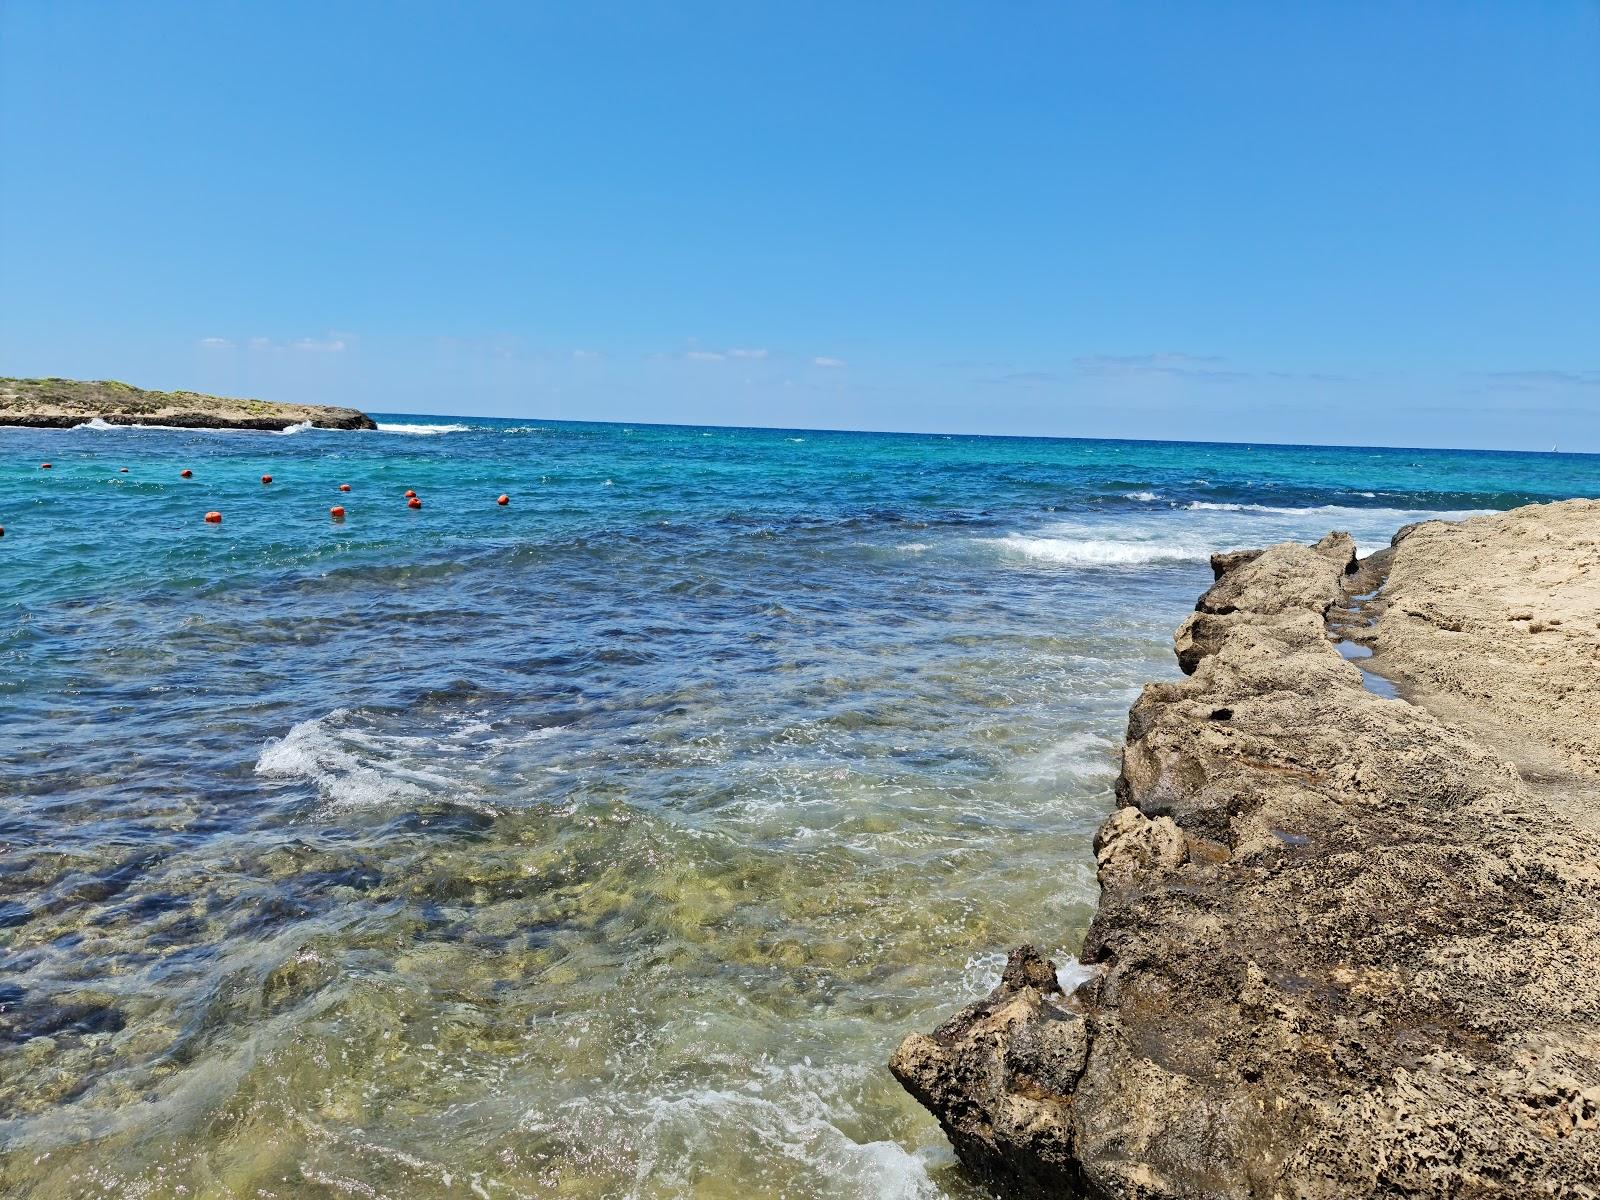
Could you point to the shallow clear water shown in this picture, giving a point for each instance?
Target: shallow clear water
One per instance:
(603, 844)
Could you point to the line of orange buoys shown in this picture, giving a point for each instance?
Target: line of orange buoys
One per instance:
(413, 501)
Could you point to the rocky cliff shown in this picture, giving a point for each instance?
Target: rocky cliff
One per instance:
(1347, 945)
(63, 403)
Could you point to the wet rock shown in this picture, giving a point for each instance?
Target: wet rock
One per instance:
(1000, 1075)
(1026, 967)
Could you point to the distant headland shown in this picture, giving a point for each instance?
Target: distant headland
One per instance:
(64, 403)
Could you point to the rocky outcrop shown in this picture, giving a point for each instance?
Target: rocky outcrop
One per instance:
(1343, 949)
(997, 1074)
(64, 403)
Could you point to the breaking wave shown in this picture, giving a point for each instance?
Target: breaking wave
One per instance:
(352, 764)
(1098, 552)
(423, 430)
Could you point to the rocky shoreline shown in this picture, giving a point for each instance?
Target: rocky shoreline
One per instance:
(65, 403)
(1347, 944)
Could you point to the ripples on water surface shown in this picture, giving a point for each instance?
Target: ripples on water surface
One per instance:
(601, 845)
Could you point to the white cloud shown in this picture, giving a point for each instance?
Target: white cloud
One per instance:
(586, 355)
(747, 353)
(704, 356)
(331, 343)
(824, 361)
(1168, 363)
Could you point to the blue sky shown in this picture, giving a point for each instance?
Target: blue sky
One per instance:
(1345, 222)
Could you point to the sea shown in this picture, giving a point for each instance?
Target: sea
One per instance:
(602, 843)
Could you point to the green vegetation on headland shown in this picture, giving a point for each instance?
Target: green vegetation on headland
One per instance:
(63, 403)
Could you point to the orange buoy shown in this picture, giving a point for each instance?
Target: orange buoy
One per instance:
(344, 487)
(504, 499)
(413, 503)
(44, 466)
(266, 479)
(337, 512)
(410, 495)
(214, 518)
(186, 473)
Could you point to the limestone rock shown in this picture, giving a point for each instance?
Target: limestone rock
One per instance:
(1346, 944)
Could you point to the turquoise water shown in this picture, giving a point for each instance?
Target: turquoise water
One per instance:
(601, 844)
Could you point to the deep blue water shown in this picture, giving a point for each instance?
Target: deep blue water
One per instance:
(602, 843)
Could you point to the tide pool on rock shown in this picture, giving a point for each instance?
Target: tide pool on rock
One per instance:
(600, 844)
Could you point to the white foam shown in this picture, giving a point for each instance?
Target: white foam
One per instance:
(1079, 756)
(313, 751)
(1333, 512)
(982, 973)
(99, 423)
(102, 424)
(421, 430)
(914, 547)
(1144, 497)
(1098, 551)
(797, 1112)
(1209, 506)
(1072, 974)
(350, 762)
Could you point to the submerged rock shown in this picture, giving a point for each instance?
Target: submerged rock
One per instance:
(1345, 949)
